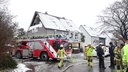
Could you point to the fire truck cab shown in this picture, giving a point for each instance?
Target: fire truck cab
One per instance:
(41, 49)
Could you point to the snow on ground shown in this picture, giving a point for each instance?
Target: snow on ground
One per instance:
(21, 68)
(37, 65)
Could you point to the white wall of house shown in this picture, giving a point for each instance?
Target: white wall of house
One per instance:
(87, 36)
(108, 38)
(94, 41)
(91, 36)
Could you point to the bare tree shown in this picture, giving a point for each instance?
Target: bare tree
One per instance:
(21, 32)
(115, 19)
(7, 29)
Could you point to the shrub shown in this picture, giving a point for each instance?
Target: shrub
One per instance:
(7, 63)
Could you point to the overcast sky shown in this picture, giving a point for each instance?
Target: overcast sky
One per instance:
(81, 12)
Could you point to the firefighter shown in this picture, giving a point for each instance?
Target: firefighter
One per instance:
(60, 54)
(125, 57)
(90, 54)
(85, 52)
(70, 55)
(118, 58)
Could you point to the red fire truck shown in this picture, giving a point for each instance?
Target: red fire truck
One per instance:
(39, 48)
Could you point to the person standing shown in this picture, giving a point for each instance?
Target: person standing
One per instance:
(118, 57)
(85, 52)
(60, 54)
(90, 54)
(111, 52)
(125, 57)
(100, 54)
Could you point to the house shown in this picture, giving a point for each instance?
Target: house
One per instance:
(44, 24)
(92, 36)
(109, 37)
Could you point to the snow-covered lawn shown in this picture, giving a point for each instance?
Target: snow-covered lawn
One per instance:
(21, 68)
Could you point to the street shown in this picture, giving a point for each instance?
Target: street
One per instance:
(75, 64)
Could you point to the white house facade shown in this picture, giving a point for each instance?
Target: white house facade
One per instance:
(91, 36)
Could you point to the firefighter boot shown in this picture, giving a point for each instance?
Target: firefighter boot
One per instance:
(118, 71)
(91, 64)
(118, 68)
(88, 63)
(59, 66)
(124, 70)
(61, 63)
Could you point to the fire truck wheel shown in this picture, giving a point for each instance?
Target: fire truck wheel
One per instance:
(44, 56)
(18, 55)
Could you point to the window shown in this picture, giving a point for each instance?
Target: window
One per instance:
(37, 45)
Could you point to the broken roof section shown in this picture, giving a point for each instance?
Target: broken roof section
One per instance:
(54, 22)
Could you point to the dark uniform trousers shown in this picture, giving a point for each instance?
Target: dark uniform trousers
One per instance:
(101, 62)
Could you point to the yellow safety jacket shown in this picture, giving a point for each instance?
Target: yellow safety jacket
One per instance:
(90, 51)
(125, 54)
(61, 53)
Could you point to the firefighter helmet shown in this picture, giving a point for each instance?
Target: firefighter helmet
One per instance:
(61, 45)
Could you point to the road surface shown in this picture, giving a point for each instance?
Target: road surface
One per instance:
(75, 64)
